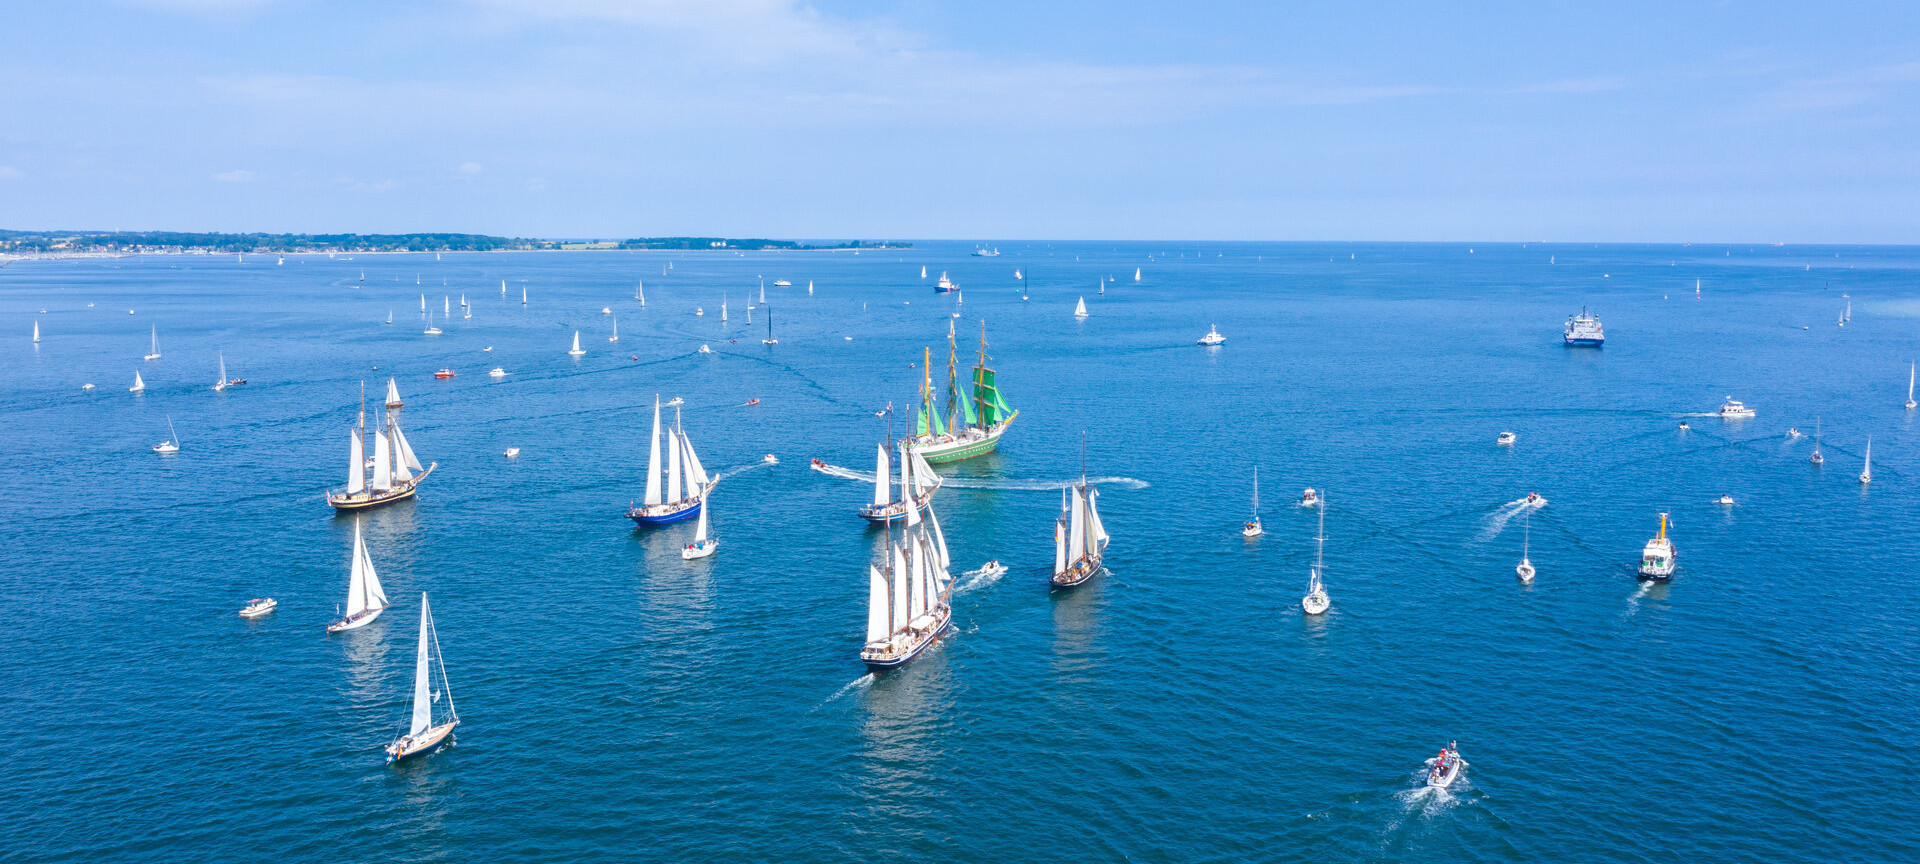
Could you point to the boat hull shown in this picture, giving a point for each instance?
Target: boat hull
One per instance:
(937, 452)
(430, 740)
(695, 551)
(663, 514)
(356, 622)
(1579, 342)
(370, 499)
(893, 512)
(882, 664)
(1079, 574)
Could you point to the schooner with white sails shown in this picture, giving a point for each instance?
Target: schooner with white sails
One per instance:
(909, 599)
(885, 507)
(380, 470)
(1079, 539)
(666, 500)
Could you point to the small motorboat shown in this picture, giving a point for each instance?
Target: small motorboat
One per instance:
(704, 350)
(86, 386)
(754, 401)
(1725, 501)
(1533, 499)
(1795, 433)
(235, 382)
(782, 283)
(770, 459)
(819, 465)
(1683, 426)
(1505, 438)
(443, 374)
(513, 452)
(1658, 559)
(497, 372)
(1309, 498)
(1445, 768)
(488, 348)
(606, 310)
(699, 312)
(259, 606)
(1212, 338)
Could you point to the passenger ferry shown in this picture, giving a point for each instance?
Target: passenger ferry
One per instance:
(1584, 329)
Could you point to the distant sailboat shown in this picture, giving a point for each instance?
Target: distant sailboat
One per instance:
(423, 303)
(763, 290)
(503, 287)
(1136, 274)
(523, 295)
(923, 271)
(1080, 308)
(1103, 285)
(1316, 602)
(389, 316)
(616, 331)
(172, 444)
(639, 293)
(1866, 470)
(769, 340)
(139, 386)
(394, 463)
(153, 354)
(723, 308)
(1079, 538)
(1252, 528)
(575, 350)
(365, 598)
(702, 545)
(36, 332)
(446, 306)
(664, 501)
(1817, 458)
(957, 300)
(908, 603)
(809, 287)
(220, 383)
(1910, 403)
(423, 734)
(431, 330)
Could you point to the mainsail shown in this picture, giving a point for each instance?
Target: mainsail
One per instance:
(653, 458)
(422, 677)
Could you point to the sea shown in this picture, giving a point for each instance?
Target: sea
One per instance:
(619, 703)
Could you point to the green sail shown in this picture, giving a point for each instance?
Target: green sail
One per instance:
(993, 407)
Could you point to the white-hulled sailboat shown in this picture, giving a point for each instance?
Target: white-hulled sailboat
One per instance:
(1252, 528)
(1080, 308)
(365, 598)
(220, 383)
(152, 354)
(392, 477)
(1910, 403)
(1079, 540)
(616, 331)
(139, 386)
(431, 330)
(423, 734)
(1817, 458)
(1866, 470)
(172, 444)
(663, 505)
(1316, 602)
(575, 350)
(702, 545)
(908, 601)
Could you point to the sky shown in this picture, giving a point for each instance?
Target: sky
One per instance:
(1619, 121)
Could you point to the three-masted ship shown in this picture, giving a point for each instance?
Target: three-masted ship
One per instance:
(666, 499)
(388, 474)
(909, 600)
(1079, 540)
(972, 424)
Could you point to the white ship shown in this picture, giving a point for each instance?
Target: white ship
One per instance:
(1734, 410)
(1584, 329)
(1657, 560)
(908, 602)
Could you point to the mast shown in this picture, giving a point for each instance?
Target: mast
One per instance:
(1256, 492)
(1320, 541)
(673, 457)
(954, 402)
(653, 457)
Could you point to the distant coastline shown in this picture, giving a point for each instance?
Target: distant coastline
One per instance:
(64, 244)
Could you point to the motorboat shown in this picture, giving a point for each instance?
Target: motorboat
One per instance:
(1584, 330)
(606, 310)
(1533, 499)
(782, 283)
(1506, 438)
(944, 285)
(259, 606)
(1212, 338)
(1724, 501)
(1684, 426)
(1795, 432)
(770, 459)
(1733, 410)
(1445, 768)
(513, 453)
(444, 373)
(497, 372)
(705, 350)
(1309, 498)
(1657, 560)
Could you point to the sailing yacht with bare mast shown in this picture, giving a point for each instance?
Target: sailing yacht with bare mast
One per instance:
(1316, 602)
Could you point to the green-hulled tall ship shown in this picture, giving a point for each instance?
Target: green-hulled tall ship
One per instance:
(970, 426)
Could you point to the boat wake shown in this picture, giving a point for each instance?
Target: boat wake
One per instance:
(729, 472)
(981, 578)
(1498, 519)
(981, 483)
(1633, 602)
(860, 683)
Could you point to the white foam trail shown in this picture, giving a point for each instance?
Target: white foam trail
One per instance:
(1498, 519)
(1633, 602)
(970, 483)
(729, 472)
(980, 578)
(860, 683)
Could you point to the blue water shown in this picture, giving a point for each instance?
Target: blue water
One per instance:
(619, 702)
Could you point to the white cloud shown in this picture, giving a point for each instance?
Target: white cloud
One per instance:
(236, 176)
(1594, 84)
(8, 172)
(468, 169)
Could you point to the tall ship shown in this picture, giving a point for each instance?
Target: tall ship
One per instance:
(388, 474)
(1079, 540)
(971, 425)
(665, 501)
(909, 601)
(886, 508)
(1584, 329)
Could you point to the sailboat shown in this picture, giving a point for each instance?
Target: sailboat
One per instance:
(769, 340)
(908, 602)
(139, 386)
(365, 598)
(172, 444)
(1525, 567)
(663, 505)
(1080, 308)
(1103, 286)
(389, 316)
(638, 293)
(1316, 601)
(394, 463)
(957, 300)
(423, 304)
(1252, 528)
(616, 331)
(723, 308)
(1910, 403)
(970, 426)
(809, 287)
(1817, 458)
(431, 330)
(1657, 560)
(446, 306)
(36, 332)
(1866, 470)
(885, 508)
(575, 350)
(702, 545)
(503, 287)
(523, 295)
(763, 290)
(1079, 540)
(923, 271)
(154, 354)
(423, 734)
(220, 383)
(1136, 274)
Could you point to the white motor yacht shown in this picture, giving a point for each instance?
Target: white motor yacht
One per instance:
(1725, 501)
(1506, 438)
(1309, 498)
(1734, 410)
(258, 606)
(1212, 338)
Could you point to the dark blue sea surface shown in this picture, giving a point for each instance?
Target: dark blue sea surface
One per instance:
(618, 702)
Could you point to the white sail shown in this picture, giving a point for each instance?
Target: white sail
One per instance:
(423, 302)
(138, 385)
(422, 678)
(357, 575)
(917, 594)
(1136, 274)
(446, 306)
(376, 596)
(1256, 493)
(923, 475)
(1059, 547)
(36, 332)
(393, 394)
(941, 563)
(576, 343)
(1096, 532)
(673, 463)
(882, 478)
(700, 530)
(906, 489)
(503, 287)
(1080, 308)
(400, 472)
(616, 331)
(696, 474)
(1077, 527)
(403, 452)
(653, 458)
(220, 383)
(523, 295)
(356, 466)
(382, 462)
(899, 590)
(879, 623)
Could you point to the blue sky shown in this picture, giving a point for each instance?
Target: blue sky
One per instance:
(1621, 121)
